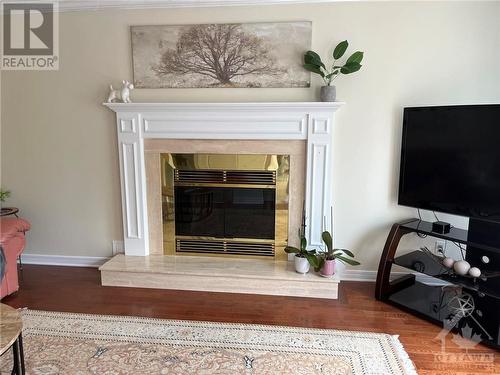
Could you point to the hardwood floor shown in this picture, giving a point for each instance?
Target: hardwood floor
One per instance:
(73, 289)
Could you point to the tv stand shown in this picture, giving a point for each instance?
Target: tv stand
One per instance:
(430, 300)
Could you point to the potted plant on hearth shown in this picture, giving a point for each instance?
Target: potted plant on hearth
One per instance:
(304, 258)
(327, 259)
(313, 63)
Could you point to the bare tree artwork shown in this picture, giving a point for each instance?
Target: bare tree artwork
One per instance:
(221, 52)
(221, 55)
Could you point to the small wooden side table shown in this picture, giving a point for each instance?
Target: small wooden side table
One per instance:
(6, 211)
(11, 327)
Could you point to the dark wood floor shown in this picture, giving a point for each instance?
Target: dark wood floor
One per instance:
(74, 289)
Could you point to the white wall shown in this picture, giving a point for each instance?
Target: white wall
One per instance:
(59, 154)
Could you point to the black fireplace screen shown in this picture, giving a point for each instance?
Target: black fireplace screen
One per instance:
(225, 212)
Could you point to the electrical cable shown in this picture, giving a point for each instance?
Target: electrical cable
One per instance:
(421, 235)
(462, 250)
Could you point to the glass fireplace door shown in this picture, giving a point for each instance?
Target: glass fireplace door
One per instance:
(225, 212)
(250, 213)
(199, 211)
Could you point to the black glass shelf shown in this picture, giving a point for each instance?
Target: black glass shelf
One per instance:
(428, 300)
(439, 305)
(425, 263)
(455, 234)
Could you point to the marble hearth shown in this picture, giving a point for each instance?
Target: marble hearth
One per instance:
(301, 130)
(209, 274)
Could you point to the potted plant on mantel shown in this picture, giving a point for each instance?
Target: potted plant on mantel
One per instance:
(326, 260)
(303, 258)
(313, 63)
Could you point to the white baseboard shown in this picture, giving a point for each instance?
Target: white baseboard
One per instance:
(82, 261)
(371, 276)
(63, 260)
(358, 275)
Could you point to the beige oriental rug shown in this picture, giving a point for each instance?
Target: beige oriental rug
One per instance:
(78, 344)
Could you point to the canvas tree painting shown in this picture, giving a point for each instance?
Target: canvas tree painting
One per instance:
(221, 55)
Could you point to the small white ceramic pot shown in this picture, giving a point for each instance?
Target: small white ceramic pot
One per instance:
(301, 264)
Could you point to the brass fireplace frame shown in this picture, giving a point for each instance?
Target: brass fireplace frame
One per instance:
(227, 164)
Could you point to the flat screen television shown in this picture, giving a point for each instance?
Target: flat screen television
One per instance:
(450, 160)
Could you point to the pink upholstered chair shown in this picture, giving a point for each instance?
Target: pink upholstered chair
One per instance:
(12, 240)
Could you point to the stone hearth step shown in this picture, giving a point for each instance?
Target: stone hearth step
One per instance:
(215, 274)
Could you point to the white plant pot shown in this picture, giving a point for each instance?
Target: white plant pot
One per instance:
(301, 265)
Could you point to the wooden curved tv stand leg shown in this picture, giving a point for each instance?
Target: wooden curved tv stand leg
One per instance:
(384, 288)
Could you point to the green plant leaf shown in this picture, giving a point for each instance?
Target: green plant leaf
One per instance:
(308, 59)
(339, 51)
(351, 262)
(356, 57)
(347, 252)
(313, 54)
(303, 243)
(292, 250)
(328, 76)
(321, 261)
(314, 69)
(4, 194)
(327, 239)
(313, 260)
(350, 68)
(313, 58)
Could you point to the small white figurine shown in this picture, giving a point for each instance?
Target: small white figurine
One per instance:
(448, 262)
(123, 94)
(475, 272)
(461, 267)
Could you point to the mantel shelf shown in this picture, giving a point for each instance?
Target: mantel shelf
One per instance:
(254, 106)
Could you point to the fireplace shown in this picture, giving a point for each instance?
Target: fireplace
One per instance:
(225, 204)
(144, 130)
(293, 141)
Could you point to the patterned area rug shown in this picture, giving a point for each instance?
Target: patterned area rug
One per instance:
(62, 343)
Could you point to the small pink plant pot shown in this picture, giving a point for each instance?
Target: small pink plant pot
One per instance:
(328, 269)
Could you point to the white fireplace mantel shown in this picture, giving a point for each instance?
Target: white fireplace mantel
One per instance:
(310, 121)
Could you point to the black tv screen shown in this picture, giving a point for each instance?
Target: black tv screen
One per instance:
(450, 160)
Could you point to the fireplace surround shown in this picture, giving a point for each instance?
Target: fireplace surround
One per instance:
(297, 121)
(225, 204)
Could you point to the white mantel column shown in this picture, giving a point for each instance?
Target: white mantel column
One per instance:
(318, 201)
(133, 183)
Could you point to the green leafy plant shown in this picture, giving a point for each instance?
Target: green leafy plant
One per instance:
(342, 255)
(4, 194)
(302, 252)
(313, 63)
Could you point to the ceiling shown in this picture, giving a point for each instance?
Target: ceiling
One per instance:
(78, 5)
